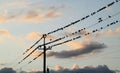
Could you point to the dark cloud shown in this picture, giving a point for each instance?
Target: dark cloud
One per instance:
(117, 71)
(2, 64)
(87, 69)
(7, 70)
(89, 48)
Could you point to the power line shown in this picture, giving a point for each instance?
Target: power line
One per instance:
(85, 17)
(73, 23)
(33, 45)
(76, 32)
(75, 38)
(67, 36)
(86, 34)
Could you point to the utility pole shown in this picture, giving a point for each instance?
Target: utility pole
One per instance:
(47, 70)
(44, 50)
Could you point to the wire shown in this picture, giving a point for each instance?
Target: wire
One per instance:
(82, 30)
(33, 45)
(86, 34)
(85, 17)
(75, 38)
(76, 32)
(110, 4)
(29, 54)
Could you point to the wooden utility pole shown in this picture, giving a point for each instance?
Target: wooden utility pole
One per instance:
(44, 50)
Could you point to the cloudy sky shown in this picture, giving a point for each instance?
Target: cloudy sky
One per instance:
(22, 23)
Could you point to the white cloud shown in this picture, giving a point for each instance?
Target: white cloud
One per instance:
(5, 33)
(108, 33)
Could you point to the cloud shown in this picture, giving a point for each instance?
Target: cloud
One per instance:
(14, 4)
(31, 16)
(60, 69)
(8, 14)
(108, 33)
(93, 47)
(108, 9)
(36, 17)
(37, 35)
(75, 66)
(57, 7)
(86, 69)
(2, 19)
(76, 45)
(2, 64)
(5, 33)
(7, 70)
(34, 54)
(117, 71)
(33, 35)
(8, 17)
(38, 13)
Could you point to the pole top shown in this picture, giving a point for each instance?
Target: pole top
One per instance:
(44, 35)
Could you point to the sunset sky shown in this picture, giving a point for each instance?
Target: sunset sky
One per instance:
(22, 23)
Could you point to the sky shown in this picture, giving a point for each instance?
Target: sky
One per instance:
(23, 22)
